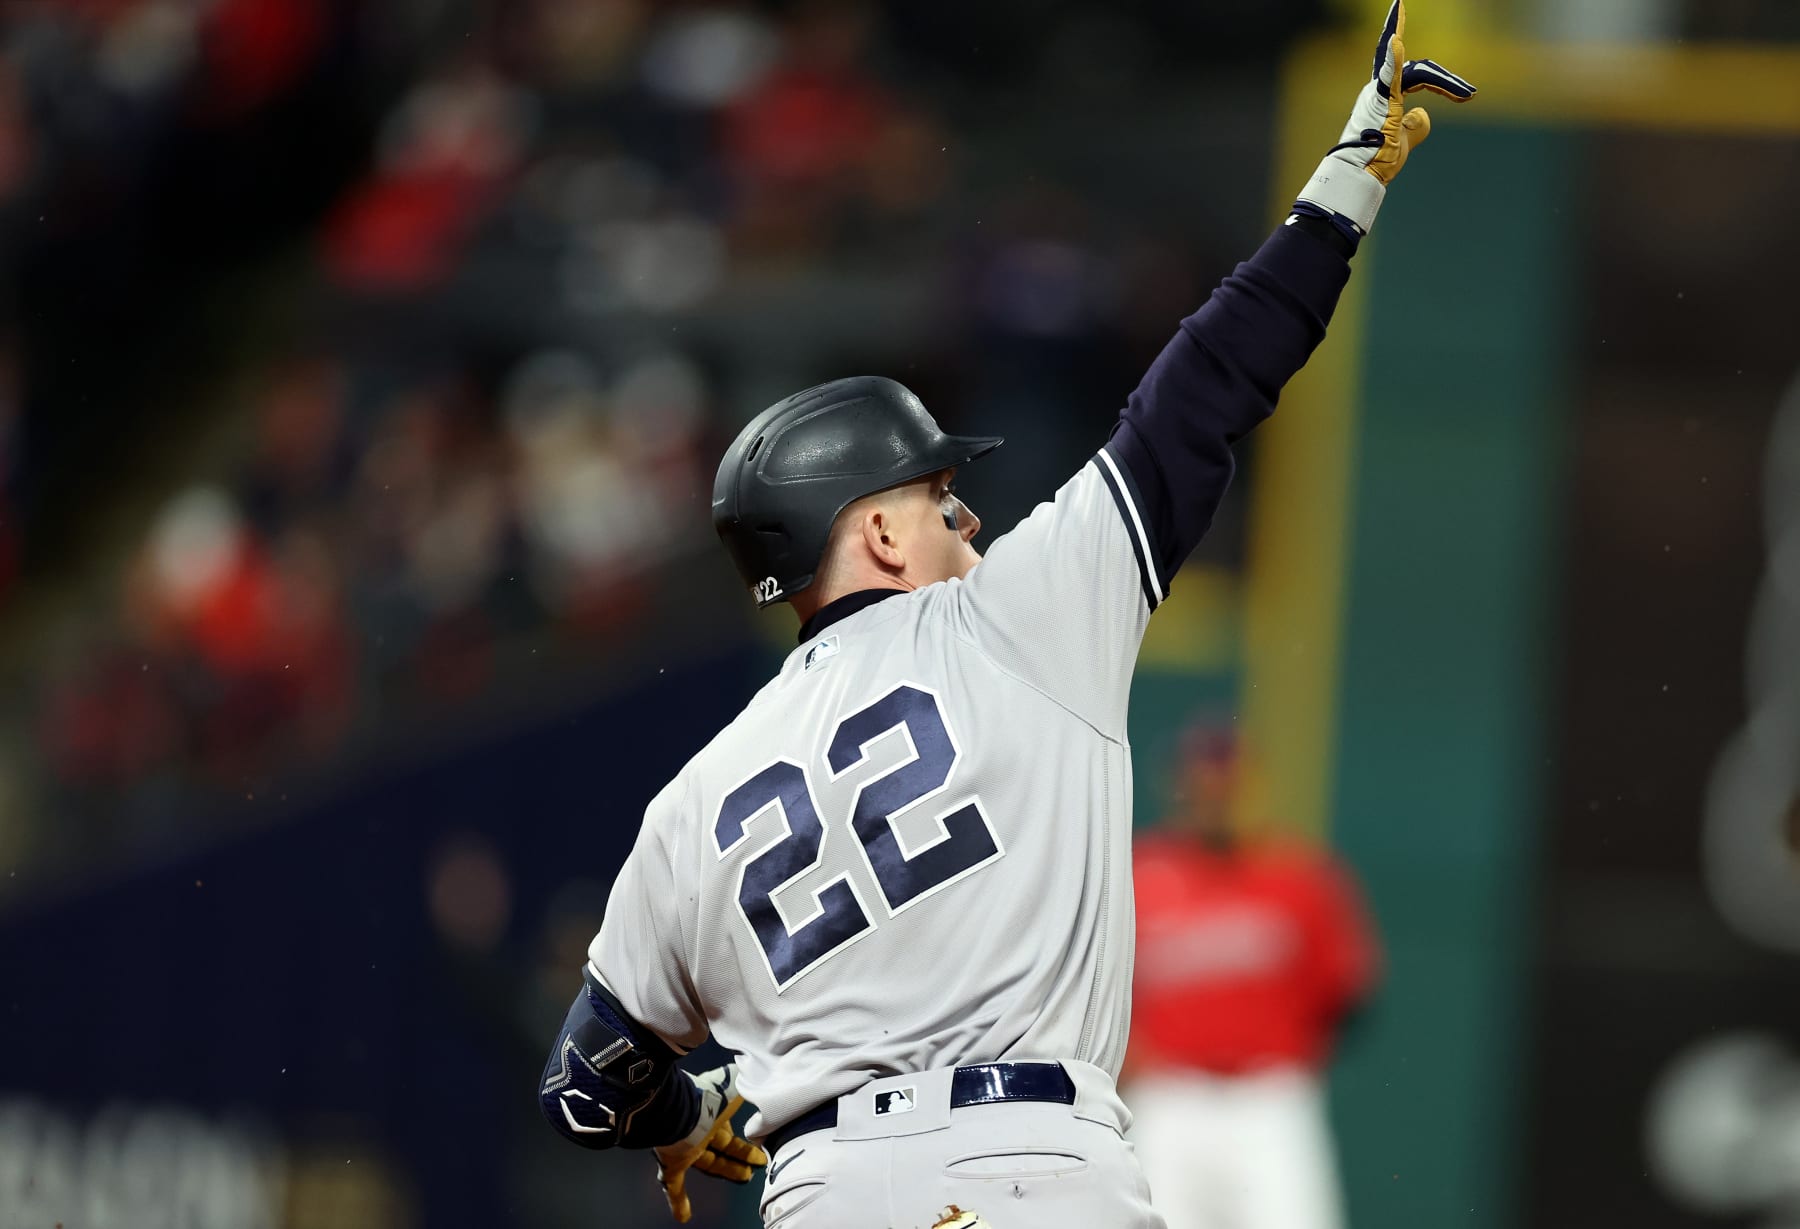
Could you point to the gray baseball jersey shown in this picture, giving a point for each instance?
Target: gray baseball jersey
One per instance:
(912, 849)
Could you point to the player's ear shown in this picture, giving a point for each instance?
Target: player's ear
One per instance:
(878, 526)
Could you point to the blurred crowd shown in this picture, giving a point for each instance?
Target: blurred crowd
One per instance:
(413, 495)
(382, 533)
(520, 334)
(635, 146)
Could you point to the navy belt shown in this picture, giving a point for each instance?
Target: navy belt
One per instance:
(984, 1084)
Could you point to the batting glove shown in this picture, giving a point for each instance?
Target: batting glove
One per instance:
(1353, 178)
(713, 1146)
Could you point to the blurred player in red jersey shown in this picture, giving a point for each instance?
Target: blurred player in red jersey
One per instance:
(1249, 954)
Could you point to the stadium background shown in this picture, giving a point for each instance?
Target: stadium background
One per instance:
(362, 369)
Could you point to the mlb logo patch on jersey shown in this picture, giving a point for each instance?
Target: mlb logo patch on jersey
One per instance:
(825, 650)
(895, 1101)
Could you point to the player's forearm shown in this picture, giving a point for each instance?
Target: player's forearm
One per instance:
(1219, 377)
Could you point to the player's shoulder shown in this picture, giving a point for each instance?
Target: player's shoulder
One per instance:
(715, 760)
(677, 815)
(1090, 537)
(1090, 487)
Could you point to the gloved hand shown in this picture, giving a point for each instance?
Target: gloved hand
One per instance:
(713, 1146)
(1353, 178)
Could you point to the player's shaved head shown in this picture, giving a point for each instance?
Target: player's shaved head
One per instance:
(905, 537)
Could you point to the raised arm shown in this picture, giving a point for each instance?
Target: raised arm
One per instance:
(1224, 370)
(1063, 599)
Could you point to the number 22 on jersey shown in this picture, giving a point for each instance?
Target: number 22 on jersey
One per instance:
(964, 843)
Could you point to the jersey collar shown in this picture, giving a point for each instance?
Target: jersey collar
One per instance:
(842, 608)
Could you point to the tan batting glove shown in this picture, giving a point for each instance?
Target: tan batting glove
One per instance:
(713, 1146)
(1352, 180)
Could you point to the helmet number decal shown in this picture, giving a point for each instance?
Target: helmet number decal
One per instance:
(766, 590)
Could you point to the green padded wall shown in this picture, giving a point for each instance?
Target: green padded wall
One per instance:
(1441, 735)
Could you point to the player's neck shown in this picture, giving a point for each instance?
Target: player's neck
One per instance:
(843, 583)
(841, 606)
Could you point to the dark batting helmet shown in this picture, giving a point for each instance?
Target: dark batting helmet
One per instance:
(806, 458)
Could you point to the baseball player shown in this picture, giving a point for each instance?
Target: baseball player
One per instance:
(898, 885)
(1250, 951)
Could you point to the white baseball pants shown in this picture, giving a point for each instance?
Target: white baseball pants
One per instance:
(1237, 1152)
(1017, 1164)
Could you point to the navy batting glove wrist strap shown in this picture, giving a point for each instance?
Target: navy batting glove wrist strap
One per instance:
(1337, 232)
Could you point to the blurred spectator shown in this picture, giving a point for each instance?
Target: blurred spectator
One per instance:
(708, 57)
(252, 50)
(577, 46)
(590, 520)
(1250, 952)
(299, 463)
(818, 136)
(445, 153)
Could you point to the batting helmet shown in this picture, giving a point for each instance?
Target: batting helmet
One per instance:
(803, 460)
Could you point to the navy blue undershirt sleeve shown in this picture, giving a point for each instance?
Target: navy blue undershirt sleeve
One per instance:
(1216, 380)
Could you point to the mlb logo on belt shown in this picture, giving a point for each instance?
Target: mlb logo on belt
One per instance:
(895, 1101)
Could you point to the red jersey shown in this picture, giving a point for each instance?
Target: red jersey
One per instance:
(1245, 959)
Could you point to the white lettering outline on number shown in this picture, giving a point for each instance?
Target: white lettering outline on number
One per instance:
(787, 834)
(943, 832)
